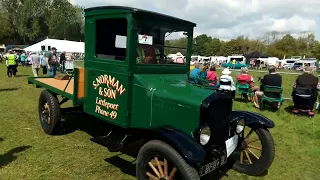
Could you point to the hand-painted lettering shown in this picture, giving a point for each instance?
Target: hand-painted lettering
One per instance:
(110, 81)
(108, 92)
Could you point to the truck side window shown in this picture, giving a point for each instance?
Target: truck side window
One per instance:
(106, 32)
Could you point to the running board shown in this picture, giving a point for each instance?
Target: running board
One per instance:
(113, 145)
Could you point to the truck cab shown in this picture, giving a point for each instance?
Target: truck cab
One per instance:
(127, 69)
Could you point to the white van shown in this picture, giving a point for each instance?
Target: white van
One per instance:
(239, 58)
(289, 63)
(300, 65)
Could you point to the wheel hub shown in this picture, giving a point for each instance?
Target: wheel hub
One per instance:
(46, 113)
(244, 144)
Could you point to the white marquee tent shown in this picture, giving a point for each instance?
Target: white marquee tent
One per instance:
(61, 45)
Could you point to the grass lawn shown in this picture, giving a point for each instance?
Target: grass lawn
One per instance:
(27, 153)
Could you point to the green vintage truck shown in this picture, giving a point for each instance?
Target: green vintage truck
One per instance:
(128, 81)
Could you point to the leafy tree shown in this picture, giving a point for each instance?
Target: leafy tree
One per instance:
(30, 21)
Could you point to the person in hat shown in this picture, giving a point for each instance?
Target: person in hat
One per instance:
(271, 79)
(52, 62)
(226, 82)
(306, 85)
(245, 78)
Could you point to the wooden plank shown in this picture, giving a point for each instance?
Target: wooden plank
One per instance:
(59, 84)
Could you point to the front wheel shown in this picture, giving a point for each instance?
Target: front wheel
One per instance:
(157, 160)
(256, 153)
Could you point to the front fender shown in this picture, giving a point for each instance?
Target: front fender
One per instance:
(252, 119)
(192, 151)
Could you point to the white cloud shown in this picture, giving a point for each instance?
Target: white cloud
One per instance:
(228, 19)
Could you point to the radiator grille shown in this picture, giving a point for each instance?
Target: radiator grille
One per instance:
(216, 112)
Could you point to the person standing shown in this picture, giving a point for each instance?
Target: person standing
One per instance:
(23, 59)
(52, 61)
(234, 63)
(43, 63)
(63, 60)
(35, 63)
(11, 64)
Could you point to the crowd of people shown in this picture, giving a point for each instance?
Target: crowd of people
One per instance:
(304, 94)
(49, 61)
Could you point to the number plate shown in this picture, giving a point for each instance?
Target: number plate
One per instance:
(231, 145)
(208, 168)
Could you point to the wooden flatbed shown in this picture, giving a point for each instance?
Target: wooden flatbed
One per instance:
(72, 89)
(59, 84)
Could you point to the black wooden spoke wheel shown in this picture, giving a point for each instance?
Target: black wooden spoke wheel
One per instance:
(256, 152)
(49, 113)
(159, 161)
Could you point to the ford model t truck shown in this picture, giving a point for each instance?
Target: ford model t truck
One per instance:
(127, 80)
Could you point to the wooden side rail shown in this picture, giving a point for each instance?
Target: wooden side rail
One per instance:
(80, 83)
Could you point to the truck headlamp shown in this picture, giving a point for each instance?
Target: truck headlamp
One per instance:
(240, 126)
(205, 134)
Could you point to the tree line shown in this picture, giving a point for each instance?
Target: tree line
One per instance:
(30, 21)
(273, 44)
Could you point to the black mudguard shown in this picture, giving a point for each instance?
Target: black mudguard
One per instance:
(252, 119)
(192, 151)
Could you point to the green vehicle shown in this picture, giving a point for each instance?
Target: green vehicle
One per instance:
(187, 131)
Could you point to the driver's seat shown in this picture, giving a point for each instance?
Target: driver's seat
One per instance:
(150, 51)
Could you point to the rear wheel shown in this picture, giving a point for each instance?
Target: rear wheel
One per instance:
(49, 113)
(256, 153)
(157, 160)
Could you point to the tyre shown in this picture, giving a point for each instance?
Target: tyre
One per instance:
(158, 160)
(49, 113)
(253, 159)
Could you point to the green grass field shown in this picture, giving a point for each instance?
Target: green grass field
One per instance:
(26, 152)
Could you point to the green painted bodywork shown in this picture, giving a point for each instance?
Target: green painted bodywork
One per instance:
(151, 96)
(166, 100)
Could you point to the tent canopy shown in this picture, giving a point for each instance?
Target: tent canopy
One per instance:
(255, 54)
(61, 45)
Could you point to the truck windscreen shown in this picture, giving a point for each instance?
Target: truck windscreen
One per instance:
(160, 44)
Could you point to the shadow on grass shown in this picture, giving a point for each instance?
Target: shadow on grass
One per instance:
(75, 120)
(11, 155)
(126, 167)
(242, 100)
(223, 172)
(1, 139)
(21, 75)
(269, 106)
(9, 89)
(289, 109)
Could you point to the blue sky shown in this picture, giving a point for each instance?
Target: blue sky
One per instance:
(227, 19)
